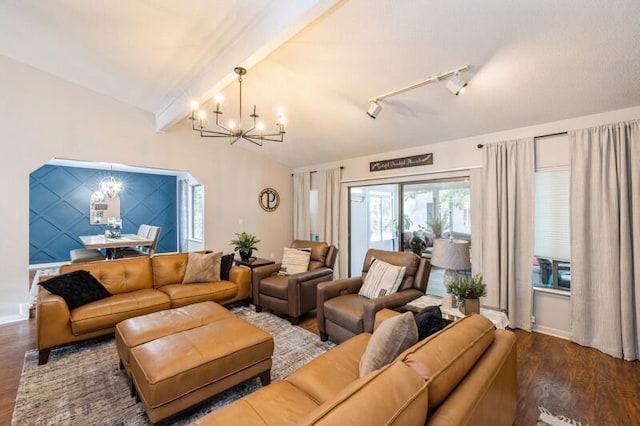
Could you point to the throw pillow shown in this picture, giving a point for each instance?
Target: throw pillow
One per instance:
(77, 288)
(382, 279)
(202, 268)
(429, 320)
(389, 340)
(225, 265)
(295, 261)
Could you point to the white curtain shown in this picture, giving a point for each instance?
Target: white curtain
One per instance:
(605, 238)
(329, 207)
(183, 215)
(301, 215)
(476, 221)
(507, 255)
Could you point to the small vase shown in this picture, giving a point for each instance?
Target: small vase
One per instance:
(246, 255)
(470, 306)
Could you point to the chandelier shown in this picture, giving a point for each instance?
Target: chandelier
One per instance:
(256, 134)
(109, 186)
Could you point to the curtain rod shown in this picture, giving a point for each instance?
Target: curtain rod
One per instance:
(315, 171)
(536, 137)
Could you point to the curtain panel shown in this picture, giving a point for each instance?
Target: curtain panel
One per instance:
(183, 215)
(329, 208)
(301, 212)
(507, 228)
(605, 238)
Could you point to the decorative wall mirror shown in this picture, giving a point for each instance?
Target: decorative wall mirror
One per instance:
(102, 208)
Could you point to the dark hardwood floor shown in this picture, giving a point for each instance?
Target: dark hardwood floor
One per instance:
(567, 379)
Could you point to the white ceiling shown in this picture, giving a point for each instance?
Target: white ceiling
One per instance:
(532, 61)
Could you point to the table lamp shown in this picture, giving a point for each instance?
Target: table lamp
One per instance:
(451, 255)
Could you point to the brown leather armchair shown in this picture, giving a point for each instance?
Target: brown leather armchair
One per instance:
(294, 294)
(342, 313)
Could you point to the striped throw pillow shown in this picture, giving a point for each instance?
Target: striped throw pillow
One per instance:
(295, 261)
(382, 279)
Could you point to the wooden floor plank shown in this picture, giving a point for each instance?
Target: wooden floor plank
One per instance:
(567, 379)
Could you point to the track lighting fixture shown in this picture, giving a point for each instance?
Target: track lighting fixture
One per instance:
(374, 109)
(456, 85)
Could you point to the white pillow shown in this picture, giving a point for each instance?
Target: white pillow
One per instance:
(295, 261)
(382, 279)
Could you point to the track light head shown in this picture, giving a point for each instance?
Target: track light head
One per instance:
(456, 84)
(374, 109)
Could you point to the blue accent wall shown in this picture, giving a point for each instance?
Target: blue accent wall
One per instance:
(59, 209)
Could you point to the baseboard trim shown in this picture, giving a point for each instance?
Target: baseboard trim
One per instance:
(562, 334)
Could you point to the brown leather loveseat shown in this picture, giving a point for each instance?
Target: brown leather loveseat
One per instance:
(464, 374)
(138, 286)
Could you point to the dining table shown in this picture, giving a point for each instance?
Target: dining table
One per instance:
(111, 244)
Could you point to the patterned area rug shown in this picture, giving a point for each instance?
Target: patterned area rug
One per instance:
(548, 419)
(82, 385)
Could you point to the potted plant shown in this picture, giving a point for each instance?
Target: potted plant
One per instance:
(436, 224)
(418, 244)
(468, 291)
(245, 244)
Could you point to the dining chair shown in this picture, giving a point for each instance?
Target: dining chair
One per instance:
(146, 231)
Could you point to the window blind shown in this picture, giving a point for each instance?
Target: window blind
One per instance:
(552, 214)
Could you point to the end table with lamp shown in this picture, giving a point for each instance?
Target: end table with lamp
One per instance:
(451, 255)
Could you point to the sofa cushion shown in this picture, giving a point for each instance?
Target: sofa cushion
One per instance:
(202, 268)
(447, 356)
(332, 371)
(106, 313)
(169, 268)
(275, 286)
(280, 404)
(295, 261)
(77, 288)
(394, 395)
(382, 279)
(118, 276)
(346, 310)
(185, 294)
(388, 341)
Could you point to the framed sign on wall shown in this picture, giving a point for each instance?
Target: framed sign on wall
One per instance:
(269, 199)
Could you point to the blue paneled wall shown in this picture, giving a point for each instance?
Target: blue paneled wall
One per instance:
(59, 209)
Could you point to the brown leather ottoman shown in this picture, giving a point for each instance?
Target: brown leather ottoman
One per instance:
(145, 328)
(178, 370)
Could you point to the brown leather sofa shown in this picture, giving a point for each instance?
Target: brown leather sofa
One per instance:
(138, 286)
(464, 374)
(294, 294)
(342, 313)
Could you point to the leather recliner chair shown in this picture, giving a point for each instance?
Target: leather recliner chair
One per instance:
(294, 294)
(343, 313)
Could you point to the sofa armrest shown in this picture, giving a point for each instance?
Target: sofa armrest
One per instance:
(53, 321)
(330, 289)
(258, 274)
(242, 278)
(309, 275)
(383, 315)
(391, 301)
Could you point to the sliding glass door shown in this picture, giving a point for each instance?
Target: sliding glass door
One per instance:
(429, 210)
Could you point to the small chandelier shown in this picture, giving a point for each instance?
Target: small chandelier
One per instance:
(109, 186)
(234, 130)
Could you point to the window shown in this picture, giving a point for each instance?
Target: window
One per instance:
(197, 213)
(552, 252)
(389, 216)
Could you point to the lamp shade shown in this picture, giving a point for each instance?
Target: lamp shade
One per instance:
(451, 254)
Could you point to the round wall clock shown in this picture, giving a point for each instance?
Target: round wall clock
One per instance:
(269, 199)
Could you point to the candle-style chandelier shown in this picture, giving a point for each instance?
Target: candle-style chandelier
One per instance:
(256, 134)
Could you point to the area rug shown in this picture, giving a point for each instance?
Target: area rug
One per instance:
(548, 419)
(82, 385)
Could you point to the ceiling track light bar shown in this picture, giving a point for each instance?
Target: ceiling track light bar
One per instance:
(429, 80)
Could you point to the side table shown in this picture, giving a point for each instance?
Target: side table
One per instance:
(253, 263)
(497, 317)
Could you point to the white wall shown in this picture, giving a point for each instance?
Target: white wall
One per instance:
(454, 157)
(42, 117)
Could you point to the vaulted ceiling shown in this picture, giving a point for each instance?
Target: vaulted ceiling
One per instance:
(532, 61)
